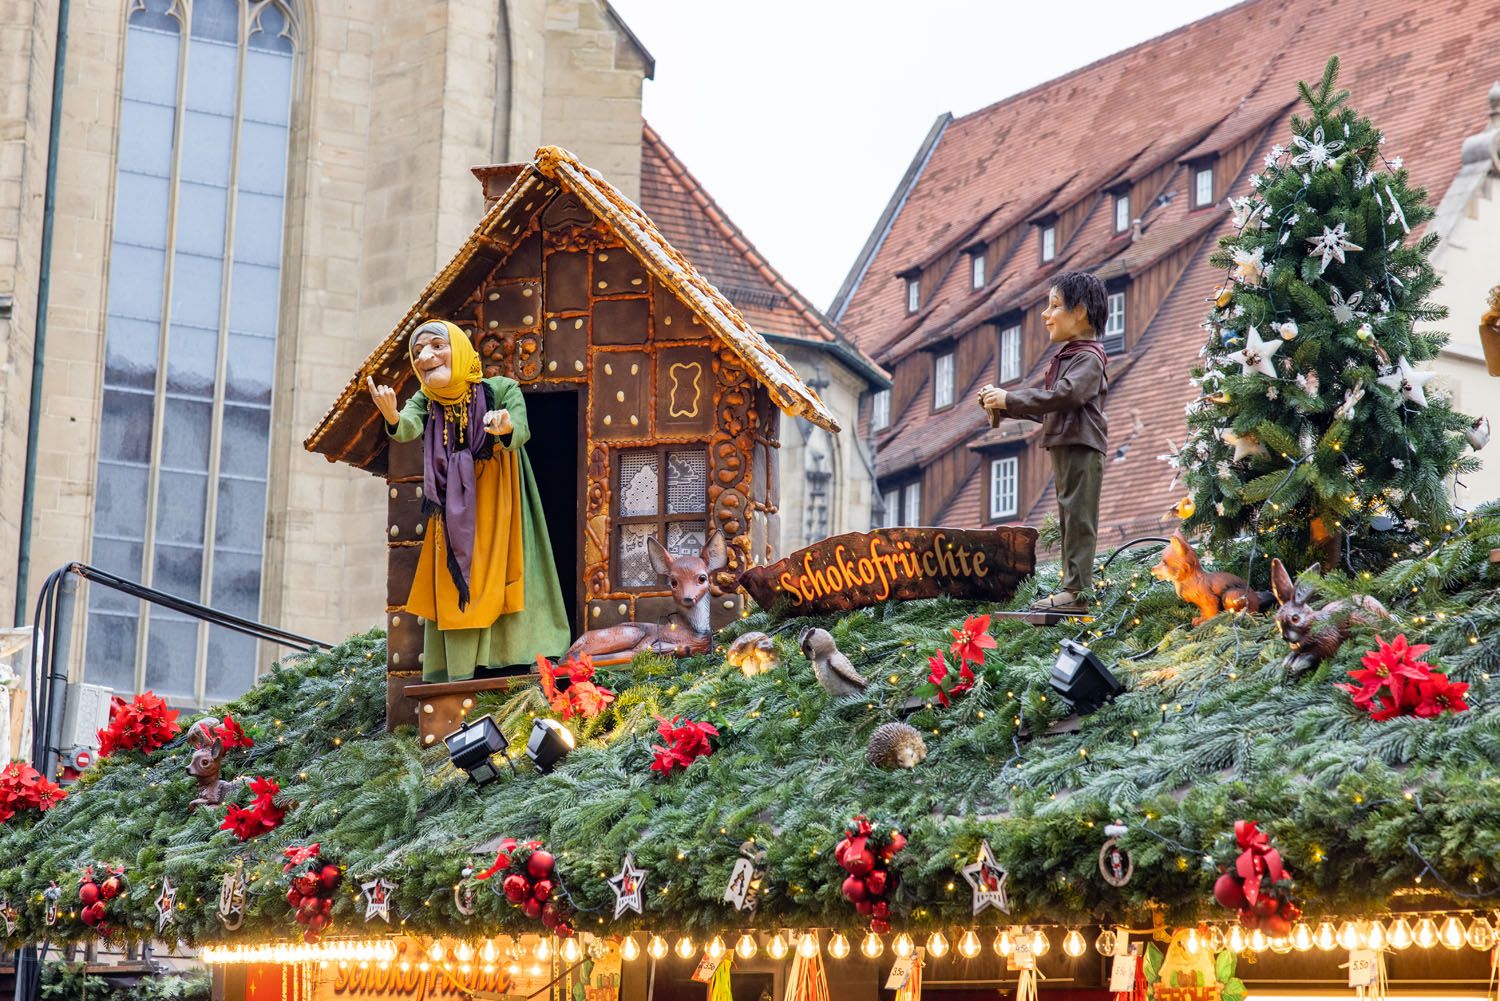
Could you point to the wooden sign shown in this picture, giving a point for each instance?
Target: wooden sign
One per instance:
(859, 569)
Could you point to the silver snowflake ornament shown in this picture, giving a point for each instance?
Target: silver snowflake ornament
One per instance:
(1316, 151)
(1331, 245)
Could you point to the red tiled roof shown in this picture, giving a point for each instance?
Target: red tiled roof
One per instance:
(1419, 71)
(693, 222)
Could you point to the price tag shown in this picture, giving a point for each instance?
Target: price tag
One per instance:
(1122, 973)
(1362, 969)
(900, 973)
(706, 967)
(1122, 944)
(1021, 958)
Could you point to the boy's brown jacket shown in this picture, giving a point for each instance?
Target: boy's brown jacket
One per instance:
(1072, 411)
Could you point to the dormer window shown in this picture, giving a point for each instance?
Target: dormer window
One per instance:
(976, 268)
(1122, 211)
(1049, 242)
(942, 381)
(1203, 185)
(1114, 322)
(880, 410)
(1010, 353)
(913, 294)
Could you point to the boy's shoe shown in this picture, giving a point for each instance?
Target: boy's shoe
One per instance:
(1062, 601)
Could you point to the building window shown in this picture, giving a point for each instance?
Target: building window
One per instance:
(880, 410)
(913, 295)
(911, 503)
(976, 269)
(890, 503)
(1114, 323)
(1122, 213)
(942, 381)
(1003, 487)
(190, 341)
(1010, 353)
(660, 493)
(1049, 242)
(1203, 186)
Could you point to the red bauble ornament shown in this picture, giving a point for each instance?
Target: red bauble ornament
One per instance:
(1277, 926)
(329, 876)
(542, 890)
(310, 936)
(1229, 892)
(859, 863)
(92, 914)
(303, 915)
(876, 882)
(880, 926)
(111, 887)
(294, 898)
(896, 843)
(1265, 907)
(881, 910)
(540, 864)
(531, 908)
(306, 883)
(854, 889)
(88, 893)
(515, 887)
(864, 908)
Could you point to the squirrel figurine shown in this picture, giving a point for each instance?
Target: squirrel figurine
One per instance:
(1212, 593)
(1315, 634)
(205, 766)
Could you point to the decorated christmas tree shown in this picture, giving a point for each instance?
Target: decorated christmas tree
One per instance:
(1314, 429)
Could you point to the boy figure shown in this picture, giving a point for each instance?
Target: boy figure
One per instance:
(1070, 406)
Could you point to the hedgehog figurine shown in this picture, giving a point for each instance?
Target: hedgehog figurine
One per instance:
(753, 653)
(896, 745)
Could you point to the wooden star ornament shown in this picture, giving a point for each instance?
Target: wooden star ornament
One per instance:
(629, 887)
(987, 880)
(1256, 355)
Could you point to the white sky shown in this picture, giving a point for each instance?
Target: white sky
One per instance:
(800, 116)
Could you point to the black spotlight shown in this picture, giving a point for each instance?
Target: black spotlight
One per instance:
(1081, 680)
(473, 746)
(549, 743)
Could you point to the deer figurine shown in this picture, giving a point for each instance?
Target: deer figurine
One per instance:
(206, 766)
(1315, 634)
(688, 577)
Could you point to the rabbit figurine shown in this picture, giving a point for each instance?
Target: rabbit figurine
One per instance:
(1315, 634)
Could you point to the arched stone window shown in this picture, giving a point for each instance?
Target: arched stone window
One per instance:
(190, 339)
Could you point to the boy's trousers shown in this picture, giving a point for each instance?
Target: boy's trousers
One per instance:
(1079, 472)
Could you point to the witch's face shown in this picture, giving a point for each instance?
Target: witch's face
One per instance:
(433, 359)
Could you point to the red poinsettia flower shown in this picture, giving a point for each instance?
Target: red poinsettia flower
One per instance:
(232, 734)
(142, 724)
(244, 822)
(965, 680)
(580, 696)
(687, 741)
(937, 671)
(1393, 665)
(972, 639)
(1438, 695)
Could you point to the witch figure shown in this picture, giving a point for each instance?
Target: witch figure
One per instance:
(485, 587)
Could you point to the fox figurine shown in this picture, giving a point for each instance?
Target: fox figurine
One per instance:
(1212, 593)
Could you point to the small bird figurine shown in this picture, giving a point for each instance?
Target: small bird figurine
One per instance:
(1184, 508)
(832, 669)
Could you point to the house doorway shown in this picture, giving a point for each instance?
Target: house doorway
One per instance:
(556, 418)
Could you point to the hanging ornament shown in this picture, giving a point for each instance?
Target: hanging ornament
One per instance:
(378, 898)
(232, 897)
(1365, 334)
(1256, 355)
(1249, 265)
(1309, 383)
(987, 880)
(1351, 398)
(1397, 215)
(1287, 331)
(166, 904)
(745, 879)
(1316, 151)
(1344, 310)
(1330, 246)
(1249, 215)
(1478, 434)
(529, 880)
(314, 880)
(8, 915)
(629, 887)
(1246, 446)
(1407, 381)
(463, 892)
(865, 853)
(1258, 885)
(51, 895)
(1115, 863)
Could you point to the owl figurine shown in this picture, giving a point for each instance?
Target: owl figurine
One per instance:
(832, 669)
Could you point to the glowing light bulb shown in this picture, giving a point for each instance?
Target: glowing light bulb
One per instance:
(685, 947)
(1281, 944)
(657, 947)
(436, 952)
(1075, 946)
(1003, 945)
(571, 953)
(777, 947)
(1236, 941)
(1480, 935)
(746, 948)
(1215, 939)
(1426, 934)
(1192, 943)
(872, 947)
(463, 952)
(1324, 937)
(1348, 937)
(488, 952)
(1302, 937)
(838, 946)
(1258, 940)
(1400, 935)
(1452, 935)
(807, 945)
(937, 945)
(630, 949)
(1376, 938)
(902, 947)
(969, 945)
(1104, 942)
(1039, 943)
(716, 948)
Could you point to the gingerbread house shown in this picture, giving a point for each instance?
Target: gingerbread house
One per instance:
(654, 404)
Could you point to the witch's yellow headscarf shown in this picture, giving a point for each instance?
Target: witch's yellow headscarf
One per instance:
(465, 368)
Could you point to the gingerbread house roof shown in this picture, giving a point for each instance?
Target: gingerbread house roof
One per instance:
(350, 431)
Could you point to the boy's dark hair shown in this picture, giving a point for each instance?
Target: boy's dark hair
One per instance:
(1080, 287)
